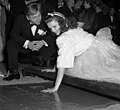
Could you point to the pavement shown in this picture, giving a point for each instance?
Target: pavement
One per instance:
(22, 80)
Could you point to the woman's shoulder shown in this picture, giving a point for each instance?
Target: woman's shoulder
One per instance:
(66, 35)
(76, 31)
(71, 33)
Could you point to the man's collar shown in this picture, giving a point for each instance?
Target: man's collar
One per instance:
(30, 21)
(32, 24)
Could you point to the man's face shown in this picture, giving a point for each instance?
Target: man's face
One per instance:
(36, 18)
(112, 11)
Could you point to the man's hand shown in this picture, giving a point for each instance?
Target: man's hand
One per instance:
(49, 90)
(37, 45)
(31, 45)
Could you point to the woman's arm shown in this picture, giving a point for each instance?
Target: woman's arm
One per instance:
(58, 81)
(65, 59)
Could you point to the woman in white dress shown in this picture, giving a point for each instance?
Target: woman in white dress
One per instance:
(82, 55)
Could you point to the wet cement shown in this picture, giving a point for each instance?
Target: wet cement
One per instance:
(30, 97)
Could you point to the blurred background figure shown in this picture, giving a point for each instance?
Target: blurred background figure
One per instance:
(16, 7)
(66, 7)
(102, 16)
(87, 16)
(78, 8)
(113, 22)
(46, 7)
(29, 1)
(4, 4)
(70, 4)
(118, 28)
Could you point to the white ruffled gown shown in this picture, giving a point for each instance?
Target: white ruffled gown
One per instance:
(89, 57)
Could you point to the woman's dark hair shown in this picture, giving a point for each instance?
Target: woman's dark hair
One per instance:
(65, 23)
(32, 8)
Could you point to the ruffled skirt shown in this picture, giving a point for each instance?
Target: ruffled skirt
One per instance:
(101, 62)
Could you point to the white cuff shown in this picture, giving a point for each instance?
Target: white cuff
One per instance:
(45, 44)
(26, 44)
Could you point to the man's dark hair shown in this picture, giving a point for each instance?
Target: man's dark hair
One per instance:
(32, 8)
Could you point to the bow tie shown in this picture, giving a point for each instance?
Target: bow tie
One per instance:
(31, 25)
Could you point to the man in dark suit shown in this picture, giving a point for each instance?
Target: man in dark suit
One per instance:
(29, 35)
(14, 9)
(113, 23)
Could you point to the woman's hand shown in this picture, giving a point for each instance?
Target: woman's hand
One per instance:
(49, 90)
(58, 81)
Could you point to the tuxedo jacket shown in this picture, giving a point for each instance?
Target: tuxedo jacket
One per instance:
(113, 23)
(16, 7)
(101, 21)
(22, 31)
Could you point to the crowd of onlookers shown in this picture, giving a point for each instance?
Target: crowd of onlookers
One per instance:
(94, 14)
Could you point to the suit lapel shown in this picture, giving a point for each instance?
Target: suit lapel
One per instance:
(28, 27)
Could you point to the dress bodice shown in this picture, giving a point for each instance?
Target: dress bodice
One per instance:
(72, 43)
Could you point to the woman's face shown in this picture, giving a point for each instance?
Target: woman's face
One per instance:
(54, 27)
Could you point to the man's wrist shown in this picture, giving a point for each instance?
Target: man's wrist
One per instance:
(44, 43)
(26, 44)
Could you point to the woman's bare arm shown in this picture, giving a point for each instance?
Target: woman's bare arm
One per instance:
(58, 81)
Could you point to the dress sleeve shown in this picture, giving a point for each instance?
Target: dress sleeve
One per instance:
(66, 52)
